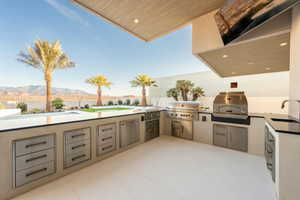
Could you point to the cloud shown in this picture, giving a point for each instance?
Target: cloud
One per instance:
(67, 12)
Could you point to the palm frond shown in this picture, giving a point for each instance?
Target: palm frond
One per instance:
(99, 81)
(46, 56)
(143, 80)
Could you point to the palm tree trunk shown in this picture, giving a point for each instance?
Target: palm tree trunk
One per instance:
(99, 97)
(48, 79)
(144, 100)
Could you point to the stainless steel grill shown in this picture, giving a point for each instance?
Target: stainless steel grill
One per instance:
(231, 105)
(183, 110)
(182, 116)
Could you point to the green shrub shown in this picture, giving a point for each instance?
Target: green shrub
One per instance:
(120, 102)
(22, 106)
(110, 103)
(58, 103)
(136, 102)
(36, 110)
(128, 102)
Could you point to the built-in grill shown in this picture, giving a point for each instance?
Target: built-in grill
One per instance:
(231, 107)
(182, 115)
(185, 110)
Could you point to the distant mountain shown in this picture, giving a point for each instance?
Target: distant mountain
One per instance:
(39, 90)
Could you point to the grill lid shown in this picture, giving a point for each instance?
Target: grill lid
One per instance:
(231, 105)
(185, 105)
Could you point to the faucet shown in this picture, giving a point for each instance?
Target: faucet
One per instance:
(285, 101)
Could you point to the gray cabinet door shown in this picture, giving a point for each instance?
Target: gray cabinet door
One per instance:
(238, 138)
(220, 136)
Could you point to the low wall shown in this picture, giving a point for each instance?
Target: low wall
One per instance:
(9, 112)
(264, 92)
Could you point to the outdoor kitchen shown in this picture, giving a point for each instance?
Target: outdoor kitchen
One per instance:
(228, 130)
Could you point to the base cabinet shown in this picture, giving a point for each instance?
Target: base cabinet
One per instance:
(203, 129)
(106, 138)
(33, 158)
(230, 137)
(129, 132)
(77, 146)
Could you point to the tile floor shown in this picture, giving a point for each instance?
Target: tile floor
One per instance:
(165, 168)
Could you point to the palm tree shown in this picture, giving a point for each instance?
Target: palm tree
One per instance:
(48, 58)
(185, 86)
(143, 81)
(173, 92)
(99, 81)
(197, 92)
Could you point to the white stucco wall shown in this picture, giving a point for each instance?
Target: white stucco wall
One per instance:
(265, 92)
(295, 63)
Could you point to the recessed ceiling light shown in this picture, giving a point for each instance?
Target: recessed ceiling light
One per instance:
(233, 73)
(225, 56)
(250, 63)
(283, 44)
(268, 68)
(136, 21)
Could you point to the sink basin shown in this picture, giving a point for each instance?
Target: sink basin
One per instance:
(284, 120)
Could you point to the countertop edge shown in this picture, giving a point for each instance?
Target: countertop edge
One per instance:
(67, 122)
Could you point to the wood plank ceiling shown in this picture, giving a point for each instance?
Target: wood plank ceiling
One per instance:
(155, 17)
(266, 55)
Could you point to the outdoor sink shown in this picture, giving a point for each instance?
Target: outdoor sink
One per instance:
(284, 120)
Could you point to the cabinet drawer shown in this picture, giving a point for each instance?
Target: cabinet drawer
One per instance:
(76, 158)
(34, 159)
(77, 135)
(107, 139)
(34, 173)
(35, 144)
(106, 148)
(107, 130)
(76, 147)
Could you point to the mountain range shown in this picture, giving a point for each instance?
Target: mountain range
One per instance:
(39, 90)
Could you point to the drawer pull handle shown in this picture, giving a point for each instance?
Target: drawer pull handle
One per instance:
(79, 135)
(107, 129)
(36, 158)
(221, 134)
(78, 157)
(35, 144)
(108, 147)
(78, 146)
(36, 172)
(107, 138)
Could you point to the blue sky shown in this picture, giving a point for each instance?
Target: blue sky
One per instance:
(96, 46)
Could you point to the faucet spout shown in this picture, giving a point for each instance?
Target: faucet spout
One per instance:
(283, 103)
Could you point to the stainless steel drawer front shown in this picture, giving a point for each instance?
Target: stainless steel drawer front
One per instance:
(76, 147)
(109, 147)
(32, 145)
(77, 135)
(34, 159)
(77, 158)
(107, 130)
(105, 140)
(34, 173)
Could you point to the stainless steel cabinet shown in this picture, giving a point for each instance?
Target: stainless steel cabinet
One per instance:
(182, 129)
(220, 136)
(270, 152)
(77, 146)
(129, 132)
(232, 137)
(33, 158)
(238, 138)
(106, 138)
